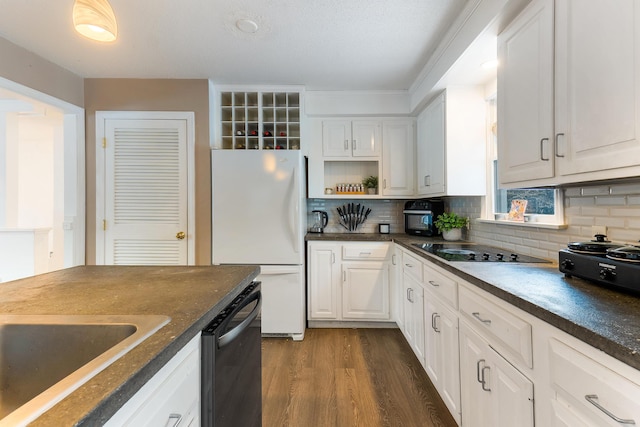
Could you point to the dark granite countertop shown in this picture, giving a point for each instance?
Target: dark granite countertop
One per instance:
(352, 237)
(190, 296)
(603, 318)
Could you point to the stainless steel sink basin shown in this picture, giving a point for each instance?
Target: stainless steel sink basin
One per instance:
(43, 358)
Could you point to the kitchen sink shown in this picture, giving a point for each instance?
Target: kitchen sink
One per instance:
(43, 358)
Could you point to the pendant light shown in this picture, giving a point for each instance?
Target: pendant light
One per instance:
(95, 19)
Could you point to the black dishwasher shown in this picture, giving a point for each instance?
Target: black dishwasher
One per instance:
(231, 376)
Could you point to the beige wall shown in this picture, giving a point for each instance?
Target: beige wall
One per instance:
(153, 95)
(21, 66)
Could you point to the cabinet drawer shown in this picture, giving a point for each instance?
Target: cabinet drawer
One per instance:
(412, 266)
(362, 251)
(512, 332)
(441, 284)
(591, 389)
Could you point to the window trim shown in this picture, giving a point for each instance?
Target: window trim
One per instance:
(555, 221)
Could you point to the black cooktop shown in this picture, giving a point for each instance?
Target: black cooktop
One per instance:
(471, 252)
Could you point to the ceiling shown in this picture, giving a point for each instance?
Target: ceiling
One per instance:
(322, 44)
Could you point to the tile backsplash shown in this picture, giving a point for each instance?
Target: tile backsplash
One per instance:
(614, 205)
(382, 211)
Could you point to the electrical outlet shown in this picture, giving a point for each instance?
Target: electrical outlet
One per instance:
(599, 229)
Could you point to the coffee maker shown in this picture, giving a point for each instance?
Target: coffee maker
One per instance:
(319, 220)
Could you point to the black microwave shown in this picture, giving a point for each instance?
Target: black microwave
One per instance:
(420, 215)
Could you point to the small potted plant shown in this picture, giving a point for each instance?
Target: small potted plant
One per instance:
(450, 225)
(371, 183)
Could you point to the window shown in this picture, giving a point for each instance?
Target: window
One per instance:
(544, 205)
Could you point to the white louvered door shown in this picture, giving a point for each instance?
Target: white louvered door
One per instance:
(145, 199)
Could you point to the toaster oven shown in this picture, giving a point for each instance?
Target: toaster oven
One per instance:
(420, 215)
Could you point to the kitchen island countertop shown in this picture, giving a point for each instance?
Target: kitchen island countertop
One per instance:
(190, 296)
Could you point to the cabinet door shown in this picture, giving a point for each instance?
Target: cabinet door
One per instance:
(475, 401)
(494, 393)
(431, 149)
(447, 325)
(397, 158)
(442, 360)
(323, 280)
(525, 96)
(336, 138)
(366, 138)
(597, 85)
(397, 293)
(414, 315)
(365, 291)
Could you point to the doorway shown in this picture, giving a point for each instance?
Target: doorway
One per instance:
(42, 200)
(145, 188)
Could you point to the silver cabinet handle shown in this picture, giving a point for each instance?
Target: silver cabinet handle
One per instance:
(384, 183)
(344, 276)
(393, 259)
(355, 145)
(484, 381)
(556, 144)
(365, 253)
(176, 419)
(346, 144)
(408, 265)
(477, 316)
(434, 320)
(410, 294)
(480, 374)
(542, 149)
(333, 258)
(428, 177)
(593, 399)
(434, 284)
(478, 370)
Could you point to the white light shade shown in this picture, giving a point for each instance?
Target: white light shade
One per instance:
(95, 19)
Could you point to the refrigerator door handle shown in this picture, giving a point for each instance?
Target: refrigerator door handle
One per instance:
(296, 211)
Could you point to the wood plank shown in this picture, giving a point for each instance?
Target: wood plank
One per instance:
(347, 377)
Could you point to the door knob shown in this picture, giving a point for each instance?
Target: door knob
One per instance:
(180, 235)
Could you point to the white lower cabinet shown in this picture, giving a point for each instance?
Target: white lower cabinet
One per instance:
(397, 292)
(442, 361)
(348, 281)
(588, 393)
(484, 356)
(494, 392)
(323, 269)
(365, 290)
(170, 398)
(414, 315)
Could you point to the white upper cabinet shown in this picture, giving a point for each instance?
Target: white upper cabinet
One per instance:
(430, 148)
(525, 96)
(597, 85)
(451, 144)
(397, 158)
(351, 138)
(569, 102)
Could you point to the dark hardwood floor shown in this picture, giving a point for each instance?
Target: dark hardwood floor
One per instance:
(345, 378)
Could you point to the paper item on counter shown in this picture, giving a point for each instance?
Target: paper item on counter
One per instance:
(518, 208)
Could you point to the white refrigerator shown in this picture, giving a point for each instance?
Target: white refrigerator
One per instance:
(258, 218)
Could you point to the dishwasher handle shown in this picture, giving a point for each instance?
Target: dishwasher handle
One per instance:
(228, 337)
